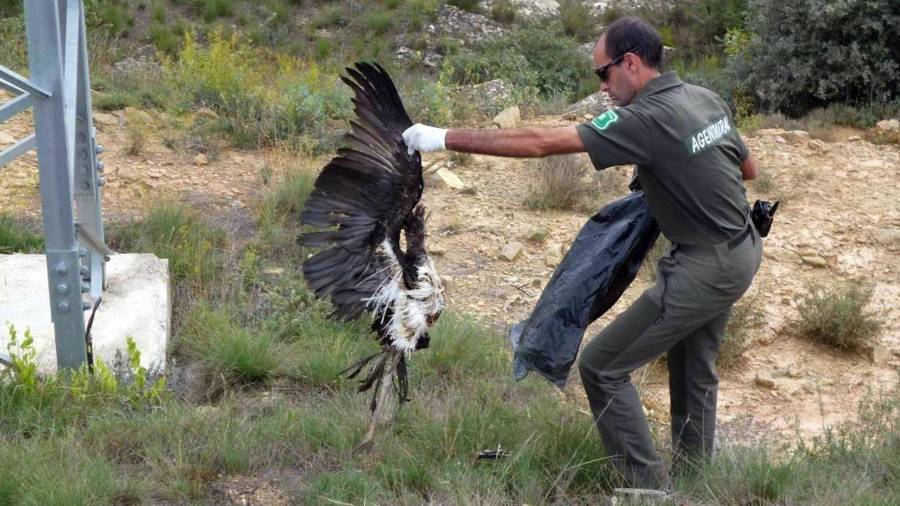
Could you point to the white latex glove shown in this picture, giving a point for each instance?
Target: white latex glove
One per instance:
(424, 138)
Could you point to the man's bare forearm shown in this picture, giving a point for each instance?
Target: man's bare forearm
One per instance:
(517, 142)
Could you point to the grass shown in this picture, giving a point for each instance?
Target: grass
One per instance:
(19, 236)
(836, 314)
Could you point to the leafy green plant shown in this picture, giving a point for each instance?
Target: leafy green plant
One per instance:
(503, 11)
(578, 20)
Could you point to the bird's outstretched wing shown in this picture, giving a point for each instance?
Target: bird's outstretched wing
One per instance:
(362, 196)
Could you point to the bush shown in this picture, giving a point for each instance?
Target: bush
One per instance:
(13, 46)
(466, 5)
(847, 52)
(578, 20)
(503, 11)
(558, 183)
(535, 57)
(18, 236)
(745, 316)
(836, 315)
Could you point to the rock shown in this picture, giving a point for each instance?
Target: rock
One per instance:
(105, 119)
(796, 137)
(436, 249)
(872, 164)
(511, 251)
(510, 117)
(780, 140)
(888, 236)
(854, 138)
(815, 261)
(6, 138)
(445, 177)
(764, 380)
(486, 94)
(467, 27)
(818, 145)
(639, 496)
(201, 159)
(404, 54)
(770, 131)
(888, 125)
(877, 354)
(595, 104)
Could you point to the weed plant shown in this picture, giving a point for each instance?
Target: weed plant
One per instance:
(746, 315)
(19, 236)
(836, 315)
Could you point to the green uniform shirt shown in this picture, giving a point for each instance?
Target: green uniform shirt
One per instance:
(688, 155)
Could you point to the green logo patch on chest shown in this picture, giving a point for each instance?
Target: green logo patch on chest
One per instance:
(603, 121)
(707, 136)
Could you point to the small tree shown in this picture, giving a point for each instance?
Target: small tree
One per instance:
(809, 53)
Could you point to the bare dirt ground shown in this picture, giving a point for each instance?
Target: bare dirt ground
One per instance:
(840, 220)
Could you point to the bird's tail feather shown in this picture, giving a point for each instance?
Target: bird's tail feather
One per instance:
(378, 364)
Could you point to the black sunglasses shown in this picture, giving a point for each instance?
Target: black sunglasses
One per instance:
(603, 72)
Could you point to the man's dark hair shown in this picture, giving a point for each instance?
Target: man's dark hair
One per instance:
(624, 34)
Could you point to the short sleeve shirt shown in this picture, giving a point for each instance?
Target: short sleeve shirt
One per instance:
(688, 155)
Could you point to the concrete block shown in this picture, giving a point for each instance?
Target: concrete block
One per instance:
(136, 304)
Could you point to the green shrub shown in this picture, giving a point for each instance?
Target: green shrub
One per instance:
(13, 46)
(466, 5)
(578, 20)
(19, 236)
(329, 17)
(836, 315)
(379, 22)
(165, 38)
(503, 11)
(214, 9)
(531, 57)
(110, 15)
(846, 52)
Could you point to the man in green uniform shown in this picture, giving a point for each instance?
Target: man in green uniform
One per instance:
(690, 164)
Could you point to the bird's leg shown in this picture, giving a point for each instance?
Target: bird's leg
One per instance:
(385, 401)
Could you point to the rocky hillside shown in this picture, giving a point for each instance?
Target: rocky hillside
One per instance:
(839, 221)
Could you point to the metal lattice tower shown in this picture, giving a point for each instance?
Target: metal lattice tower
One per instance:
(59, 91)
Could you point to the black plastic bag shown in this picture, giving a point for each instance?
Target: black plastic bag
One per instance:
(602, 262)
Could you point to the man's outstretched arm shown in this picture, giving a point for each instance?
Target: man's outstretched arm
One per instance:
(516, 142)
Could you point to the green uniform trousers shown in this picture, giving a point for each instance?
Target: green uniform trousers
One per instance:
(684, 313)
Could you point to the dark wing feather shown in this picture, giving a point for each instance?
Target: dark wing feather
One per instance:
(363, 195)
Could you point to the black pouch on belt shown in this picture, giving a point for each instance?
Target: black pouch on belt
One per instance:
(763, 215)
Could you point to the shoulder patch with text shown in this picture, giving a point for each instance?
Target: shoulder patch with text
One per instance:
(707, 136)
(603, 121)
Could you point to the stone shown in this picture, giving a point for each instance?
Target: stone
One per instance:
(136, 304)
(103, 119)
(592, 105)
(854, 138)
(6, 138)
(446, 177)
(877, 354)
(872, 164)
(780, 140)
(437, 250)
(488, 92)
(796, 137)
(510, 117)
(764, 380)
(817, 145)
(815, 261)
(201, 160)
(770, 131)
(639, 496)
(511, 251)
(888, 125)
(888, 236)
